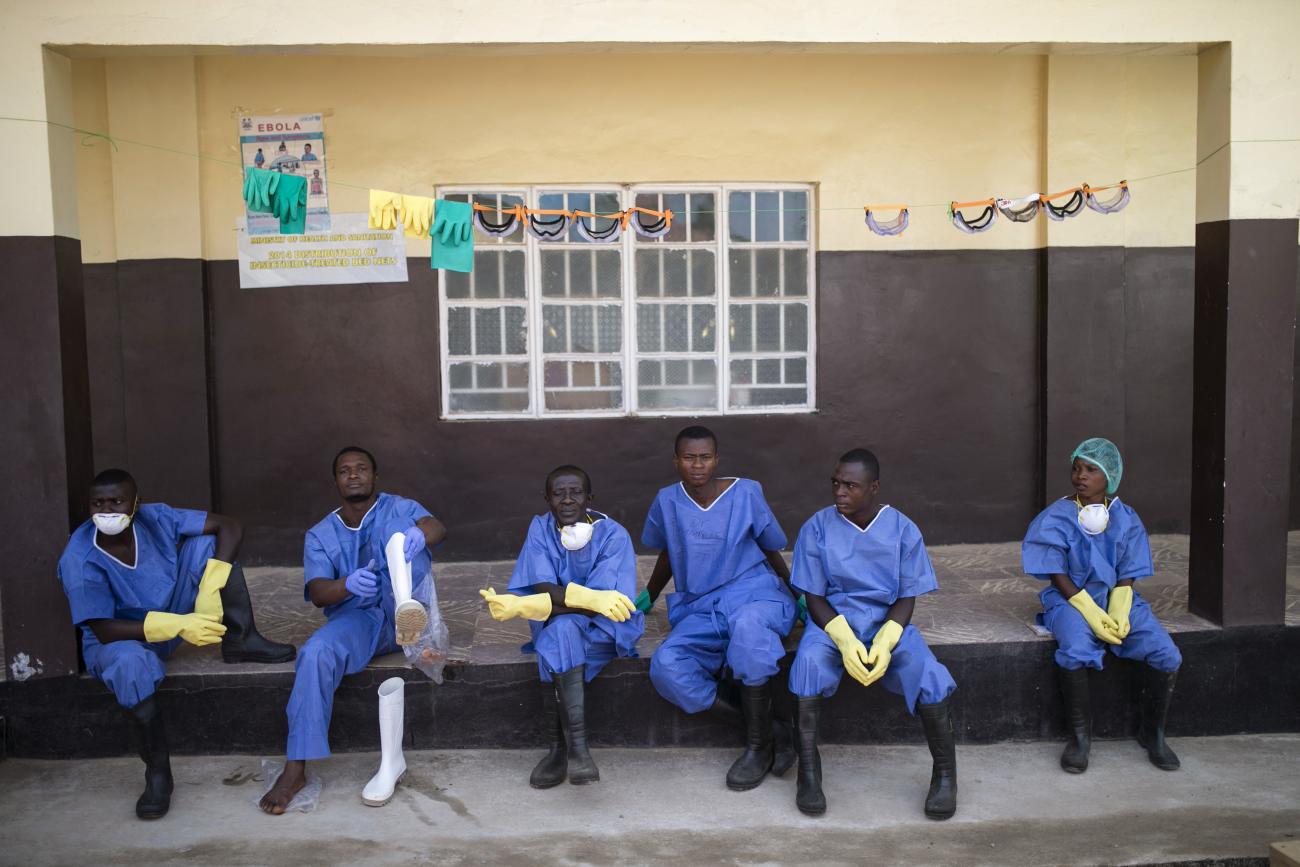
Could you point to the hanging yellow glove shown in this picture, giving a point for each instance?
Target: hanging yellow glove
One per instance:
(851, 649)
(882, 649)
(417, 216)
(610, 603)
(197, 629)
(505, 606)
(215, 576)
(383, 209)
(1102, 624)
(1118, 607)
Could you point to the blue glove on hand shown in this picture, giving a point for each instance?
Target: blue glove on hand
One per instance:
(414, 542)
(363, 582)
(643, 601)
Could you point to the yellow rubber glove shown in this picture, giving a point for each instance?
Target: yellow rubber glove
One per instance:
(215, 576)
(610, 603)
(383, 209)
(853, 650)
(417, 216)
(1101, 623)
(197, 629)
(505, 606)
(1118, 607)
(882, 649)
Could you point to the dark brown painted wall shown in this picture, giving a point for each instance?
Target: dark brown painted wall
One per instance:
(930, 358)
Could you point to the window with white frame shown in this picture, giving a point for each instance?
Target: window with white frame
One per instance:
(716, 317)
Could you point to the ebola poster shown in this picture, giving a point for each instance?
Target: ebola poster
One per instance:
(349, 252)
(293, 144)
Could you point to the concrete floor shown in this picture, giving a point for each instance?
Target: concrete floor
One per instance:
(1232, 798)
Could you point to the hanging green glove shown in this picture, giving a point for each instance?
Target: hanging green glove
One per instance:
(1102, 624)
(853, 651)
(609, 603)
(197, 629)
(802, 605)
(643, 601)
(289, 203)
(453, 237)
(505, 606)
(1118, 607)
(259, 186)
(208, 600)
(882, 649)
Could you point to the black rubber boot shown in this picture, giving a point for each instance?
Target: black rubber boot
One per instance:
(570, 693)
(1078, 719)
(157, 796)
(808, 797)
(941, 800)
(752, 766)
(242, 642)
(554, 766)
(783, 747)
(1157, 692)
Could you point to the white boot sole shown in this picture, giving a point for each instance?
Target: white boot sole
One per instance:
(377, 802)
(411, 619)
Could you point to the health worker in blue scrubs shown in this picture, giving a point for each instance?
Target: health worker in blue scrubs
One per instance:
(142, 578)
(720, 544)
(345, 572)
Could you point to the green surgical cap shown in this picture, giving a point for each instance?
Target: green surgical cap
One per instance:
(1101, 452)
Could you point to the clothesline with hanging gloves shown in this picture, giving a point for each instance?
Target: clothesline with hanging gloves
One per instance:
(1018, 210)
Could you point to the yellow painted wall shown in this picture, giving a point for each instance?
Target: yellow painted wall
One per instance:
(864, 128)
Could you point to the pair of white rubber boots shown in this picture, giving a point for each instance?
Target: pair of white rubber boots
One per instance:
(411, 619)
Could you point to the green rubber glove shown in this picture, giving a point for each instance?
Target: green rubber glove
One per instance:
(802, 604)
(259, 186)
(453, 238)
(643, 601)
(1102, 624)
(853, 651)
(197, 629)
(1118, 607)
(289, 203)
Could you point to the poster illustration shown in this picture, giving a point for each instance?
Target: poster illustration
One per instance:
(294, 145)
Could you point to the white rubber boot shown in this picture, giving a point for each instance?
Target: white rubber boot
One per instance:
(392, 764)
(409, 614)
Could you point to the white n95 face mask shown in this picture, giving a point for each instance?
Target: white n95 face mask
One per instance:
(576, 536)
(1094, 519)
(111, 523)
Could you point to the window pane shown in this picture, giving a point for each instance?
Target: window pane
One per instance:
(796, 370)
(580, 283)
(742, 328)
(555, 328)
(767, 328)
(487, 274)
(609, 274)
(795, 218)
(795, 266)
(582, 329)
(648, 323)
(674, 271)
(677, 328)
(740, 263)
(609, 329)
(767, 272)
(796, 328)
(647, 273)
(488, 387)
(553, 276)
(703, 217)
(738, 217)
(676, 202)
(703, 322)
(677, 384)
(703, 273)
(767, 216)
(513, 262)
(579, 385)
(455, 284)
(487, 331)
(459, 335)
(516, 331)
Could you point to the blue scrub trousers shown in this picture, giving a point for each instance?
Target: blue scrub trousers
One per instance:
(133, 669)
(569, 640)
(913, 671)
(1077, 647)
(344, 645)
(740, 624)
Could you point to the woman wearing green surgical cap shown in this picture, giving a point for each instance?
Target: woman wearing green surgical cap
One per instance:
(1090, 548)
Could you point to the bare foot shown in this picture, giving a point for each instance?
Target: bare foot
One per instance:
(292, 779)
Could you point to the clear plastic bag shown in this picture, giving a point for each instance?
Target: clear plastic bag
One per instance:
(307, 798)
(429, 652)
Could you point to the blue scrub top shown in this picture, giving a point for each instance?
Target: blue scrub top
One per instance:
(607, 562)
(335, 550)
(715, 546)
(1056, 545)
(862, 572)
(99, 586)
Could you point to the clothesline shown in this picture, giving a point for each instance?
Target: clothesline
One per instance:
(88, 137)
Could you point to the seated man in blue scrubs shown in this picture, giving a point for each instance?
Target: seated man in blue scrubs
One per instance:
(1090, 549)
(721, 545)
(572, 582)
(345, 572)
(861, 566)
(136, 595)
